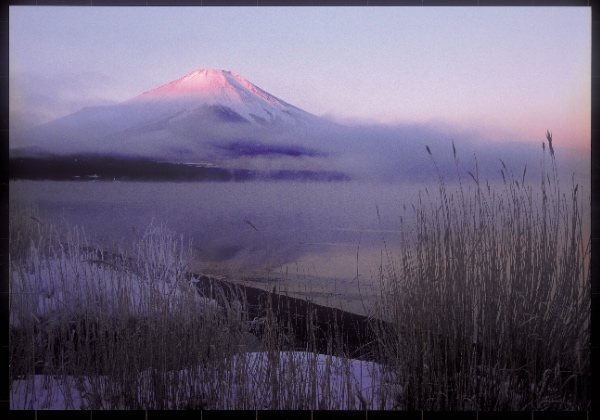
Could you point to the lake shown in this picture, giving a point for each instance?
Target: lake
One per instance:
(310, 228)
(337, 236)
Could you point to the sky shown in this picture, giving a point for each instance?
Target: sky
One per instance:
(507, 73)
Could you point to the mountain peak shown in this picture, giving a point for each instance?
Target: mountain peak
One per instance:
(209, 84)
(196, 82)
(227, 91)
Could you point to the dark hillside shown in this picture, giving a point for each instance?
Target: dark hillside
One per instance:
(102, 168)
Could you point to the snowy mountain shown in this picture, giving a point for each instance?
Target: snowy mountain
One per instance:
(228, 95)
(207, 115)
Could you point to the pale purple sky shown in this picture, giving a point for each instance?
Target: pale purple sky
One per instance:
(509, 73)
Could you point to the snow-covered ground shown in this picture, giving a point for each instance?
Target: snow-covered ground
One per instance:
(51, 289)
(60, 285)
(255, 381)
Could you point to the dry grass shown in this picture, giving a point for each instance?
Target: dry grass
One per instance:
(490, 302)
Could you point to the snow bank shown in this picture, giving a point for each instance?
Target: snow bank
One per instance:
(281, 380)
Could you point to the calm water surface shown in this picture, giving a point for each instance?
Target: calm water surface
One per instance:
(330, 233)
(309, 227)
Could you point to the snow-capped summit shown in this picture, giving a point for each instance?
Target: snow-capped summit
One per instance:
(225, 89)
(201, 82)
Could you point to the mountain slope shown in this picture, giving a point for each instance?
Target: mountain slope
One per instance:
(195, 117)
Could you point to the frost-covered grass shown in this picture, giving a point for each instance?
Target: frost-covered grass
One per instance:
(489, 303)
(125, 327)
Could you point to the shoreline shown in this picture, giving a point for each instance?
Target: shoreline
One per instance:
(357, 297)
(310, 325)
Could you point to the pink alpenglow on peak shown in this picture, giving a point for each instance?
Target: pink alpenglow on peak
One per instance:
(205, 82)
(197, 82)
(224, 88)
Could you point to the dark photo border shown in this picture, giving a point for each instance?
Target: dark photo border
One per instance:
(206, 415)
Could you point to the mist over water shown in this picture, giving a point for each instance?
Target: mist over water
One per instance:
(262, 228)
(244, 225)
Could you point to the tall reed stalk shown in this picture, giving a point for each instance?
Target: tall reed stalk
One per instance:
(490, 299)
